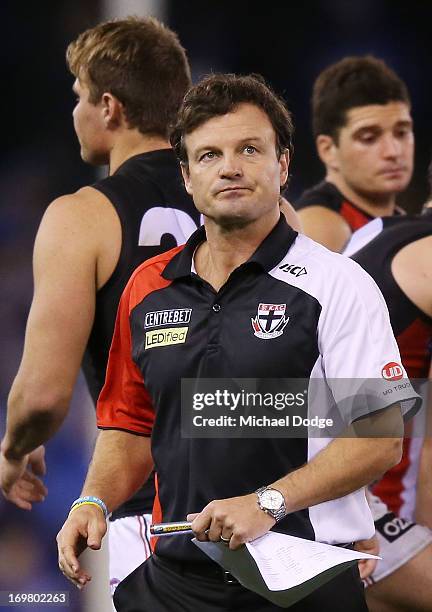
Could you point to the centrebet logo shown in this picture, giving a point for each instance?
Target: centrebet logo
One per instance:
(270, 321)
(392, 371)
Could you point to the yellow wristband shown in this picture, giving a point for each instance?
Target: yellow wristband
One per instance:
(84, 503)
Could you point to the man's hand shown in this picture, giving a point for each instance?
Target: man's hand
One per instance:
(371, 547)
(237, 520)
(85, 527)
(19, 478)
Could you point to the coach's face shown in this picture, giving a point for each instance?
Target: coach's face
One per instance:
(233, 173)
(375, 148)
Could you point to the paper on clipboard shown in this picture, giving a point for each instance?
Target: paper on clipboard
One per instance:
(282, 568)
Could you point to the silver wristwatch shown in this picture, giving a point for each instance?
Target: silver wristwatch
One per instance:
(272, 501)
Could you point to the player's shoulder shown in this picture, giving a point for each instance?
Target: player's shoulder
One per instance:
(324, 194)
(80, 220)
(84, 201)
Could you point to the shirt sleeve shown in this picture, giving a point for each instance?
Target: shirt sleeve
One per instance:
(124, 402)
(360, 359)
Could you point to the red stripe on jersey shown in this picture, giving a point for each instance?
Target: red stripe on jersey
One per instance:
(390, 487)
(413, 347)
(124, 402)
(157, 512)
(355, 217)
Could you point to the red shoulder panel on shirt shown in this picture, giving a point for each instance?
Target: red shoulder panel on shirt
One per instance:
(147, 277)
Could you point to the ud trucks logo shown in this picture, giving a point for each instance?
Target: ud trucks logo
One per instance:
(392, 371)
(270, 321)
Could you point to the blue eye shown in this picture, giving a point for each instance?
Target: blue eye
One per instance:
(250, 149)
(208, 155)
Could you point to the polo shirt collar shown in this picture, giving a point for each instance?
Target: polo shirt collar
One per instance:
(269, 253)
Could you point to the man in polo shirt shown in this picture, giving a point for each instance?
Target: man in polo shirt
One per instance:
(251, 313)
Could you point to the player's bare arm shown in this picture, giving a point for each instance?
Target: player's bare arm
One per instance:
(345, 465)
(68, 267)
(412, 271)
(119, 457)
(325, 226)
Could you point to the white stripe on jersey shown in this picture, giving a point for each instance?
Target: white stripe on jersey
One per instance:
(363, 236)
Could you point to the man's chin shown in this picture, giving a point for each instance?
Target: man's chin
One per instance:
(394, 183)
(93, 158)
(231, 222)
(383, 190)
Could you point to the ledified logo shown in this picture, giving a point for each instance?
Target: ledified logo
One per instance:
(165, 337)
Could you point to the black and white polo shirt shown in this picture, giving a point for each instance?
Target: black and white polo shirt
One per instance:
(294, 310)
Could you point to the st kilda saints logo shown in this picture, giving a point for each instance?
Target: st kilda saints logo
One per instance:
(392, 371)
(270, 321)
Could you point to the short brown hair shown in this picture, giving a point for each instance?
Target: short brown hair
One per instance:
(139, 61)
(349, 83)
(219, 94)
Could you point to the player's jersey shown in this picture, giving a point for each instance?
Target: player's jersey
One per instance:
(327, 195)
(156, 214)
(374, 247)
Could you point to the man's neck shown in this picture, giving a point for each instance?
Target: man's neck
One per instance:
(132, 142)
(379, 205)
(227, 249)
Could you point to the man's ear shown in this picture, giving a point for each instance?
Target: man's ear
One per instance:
(186, 177)
(112, 111)
(328, 151)
(284, 162)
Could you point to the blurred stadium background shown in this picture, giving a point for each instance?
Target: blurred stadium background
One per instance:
(287, 42)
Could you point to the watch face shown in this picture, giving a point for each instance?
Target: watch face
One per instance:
(271, 499)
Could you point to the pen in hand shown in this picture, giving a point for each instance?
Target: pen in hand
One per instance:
(169, 529)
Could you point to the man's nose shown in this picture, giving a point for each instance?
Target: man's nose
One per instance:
(391, 146)
(230, 167)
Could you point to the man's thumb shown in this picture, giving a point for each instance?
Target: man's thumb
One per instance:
(37, 461)
(95, 534)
